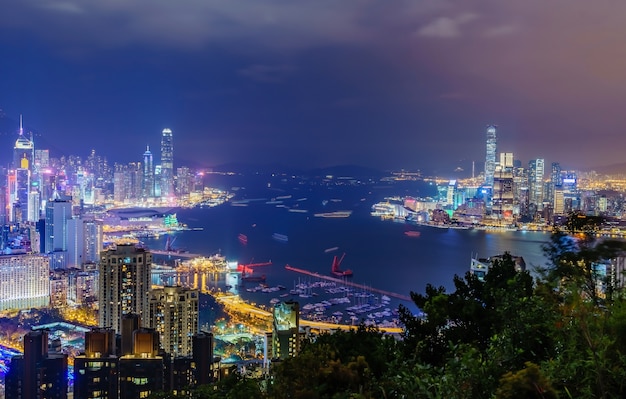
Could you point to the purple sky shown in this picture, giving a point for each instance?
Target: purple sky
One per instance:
(388, 84)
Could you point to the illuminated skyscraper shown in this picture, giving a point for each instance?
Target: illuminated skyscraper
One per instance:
(58, 212)
(174, 314)
(490, 159)
(24, 147)
(124, 284)
(535, 181)
(167, 163)
(19, 196)
(148, 174)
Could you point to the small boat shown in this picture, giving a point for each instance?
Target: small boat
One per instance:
(327, 250)
(243, 239)
(412, 233)
(280, 237)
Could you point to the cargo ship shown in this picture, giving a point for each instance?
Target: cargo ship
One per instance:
(335, 267)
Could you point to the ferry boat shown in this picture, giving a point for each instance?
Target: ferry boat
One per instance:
(280, 237)
(337, 214)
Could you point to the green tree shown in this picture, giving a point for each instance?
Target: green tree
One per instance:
(526, 384)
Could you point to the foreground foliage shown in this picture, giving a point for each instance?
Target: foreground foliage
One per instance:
(508, 336)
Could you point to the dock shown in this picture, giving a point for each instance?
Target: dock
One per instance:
(349, 283)
(176, 254)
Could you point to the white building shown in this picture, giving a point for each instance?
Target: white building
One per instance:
(24, 281)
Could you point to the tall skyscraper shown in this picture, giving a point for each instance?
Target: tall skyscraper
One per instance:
(167, 163)
(148, 174)
(535, 181)
(19, 196)
(490, 159)
(174, 314)
(124, 284)
(24, 148)
(58, 212)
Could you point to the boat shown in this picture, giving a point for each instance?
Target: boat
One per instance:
(335, 267)
(327, 250)
(243, 239)
(280, 237)
(337, 214)
(412, 233)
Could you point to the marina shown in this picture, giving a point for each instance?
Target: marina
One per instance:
(348, 283)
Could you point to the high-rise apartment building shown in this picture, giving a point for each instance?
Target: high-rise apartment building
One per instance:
(167, 163)
(58, 212)
(142, 372)
(173, 312)
(95, 371)
(24, 281)
(84, 241)
(19, 196)
(184, 181)
(286, 330)
(37, 373)
(123, 284)
(490, 159)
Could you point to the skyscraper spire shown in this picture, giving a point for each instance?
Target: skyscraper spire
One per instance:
(21, 127)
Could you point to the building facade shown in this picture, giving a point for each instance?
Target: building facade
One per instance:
(173, 312)
(124, 283)
(24, 281)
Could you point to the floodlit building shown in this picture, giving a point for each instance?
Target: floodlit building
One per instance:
(490, 158)
(167, 163)
(173, 312)
(286, 327)
(124, 283)
(24, 281)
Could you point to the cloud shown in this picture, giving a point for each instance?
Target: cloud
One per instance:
(440, 27)
(446, 27)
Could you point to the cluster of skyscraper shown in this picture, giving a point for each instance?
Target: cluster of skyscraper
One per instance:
(511, 193)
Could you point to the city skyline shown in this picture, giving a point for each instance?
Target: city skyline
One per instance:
(402, 85)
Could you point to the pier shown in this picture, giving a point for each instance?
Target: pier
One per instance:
(176, 254)
(349, 283)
